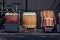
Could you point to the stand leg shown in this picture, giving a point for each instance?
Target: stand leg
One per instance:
(35, 29)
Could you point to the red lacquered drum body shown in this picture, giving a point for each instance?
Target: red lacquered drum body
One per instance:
(11, 18)
(47, 18)
(29, 20)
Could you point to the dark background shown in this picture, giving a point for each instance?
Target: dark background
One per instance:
(32, 5)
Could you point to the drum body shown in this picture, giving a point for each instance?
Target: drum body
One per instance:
(11, 18)
(47, 18)
(29, 19)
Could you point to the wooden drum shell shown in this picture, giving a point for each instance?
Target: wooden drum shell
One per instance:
(11, 18)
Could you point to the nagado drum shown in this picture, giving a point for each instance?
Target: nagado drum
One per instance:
(29, 20)
(11, 18)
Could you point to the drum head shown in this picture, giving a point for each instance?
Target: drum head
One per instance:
(11, 13)
(29, 13)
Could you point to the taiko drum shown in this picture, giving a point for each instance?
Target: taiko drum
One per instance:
(47, 18)
(29, 20)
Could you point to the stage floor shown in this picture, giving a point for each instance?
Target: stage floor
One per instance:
(32, 33)
(30, 36)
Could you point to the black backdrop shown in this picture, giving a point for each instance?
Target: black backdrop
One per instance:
(33, 5)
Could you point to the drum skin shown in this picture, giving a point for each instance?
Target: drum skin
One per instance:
(11, 19)
(29, 20)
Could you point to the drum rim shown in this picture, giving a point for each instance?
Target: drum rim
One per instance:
(11, 13)
(29, 13)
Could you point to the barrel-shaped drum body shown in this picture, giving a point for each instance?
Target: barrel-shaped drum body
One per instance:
(29, 19)
(11, 18)
(47, 18)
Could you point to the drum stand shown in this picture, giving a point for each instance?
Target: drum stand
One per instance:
(16, 7)
(48, 29)
(26, 29)
(20, 27)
